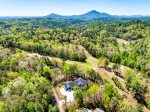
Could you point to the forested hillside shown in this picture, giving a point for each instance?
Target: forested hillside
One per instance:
(36, 52)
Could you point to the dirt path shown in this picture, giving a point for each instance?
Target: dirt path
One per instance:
(58, 102)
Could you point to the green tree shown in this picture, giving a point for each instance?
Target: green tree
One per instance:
(31, 106)
(103, 62)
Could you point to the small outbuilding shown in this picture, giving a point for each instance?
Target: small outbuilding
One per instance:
(68, 86)
(80, 82)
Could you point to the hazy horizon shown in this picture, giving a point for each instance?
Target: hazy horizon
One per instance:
(71, 7)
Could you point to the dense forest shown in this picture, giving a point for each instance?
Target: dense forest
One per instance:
(36, 52)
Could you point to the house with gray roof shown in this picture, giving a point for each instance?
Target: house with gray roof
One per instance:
(80, 82)
(68, 86)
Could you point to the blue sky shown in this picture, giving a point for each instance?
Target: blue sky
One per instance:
(73, 7)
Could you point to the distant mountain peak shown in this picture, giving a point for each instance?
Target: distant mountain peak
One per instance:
(94, 12)
(95, 15)
(53, 14)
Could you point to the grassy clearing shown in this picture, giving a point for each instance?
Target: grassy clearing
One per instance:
(122, 41)
(82, 65)
(92, 61)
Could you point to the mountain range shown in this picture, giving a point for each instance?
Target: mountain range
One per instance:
(95, 15)
(89, 16)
